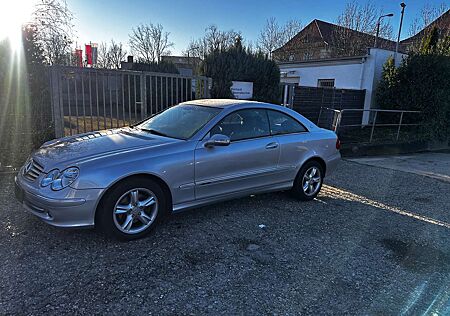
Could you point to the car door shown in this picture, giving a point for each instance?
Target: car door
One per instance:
(292, 137)
(248, 162)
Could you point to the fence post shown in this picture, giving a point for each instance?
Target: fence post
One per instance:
(320, 114)
(338, 121)
(291, 96)
(205, 83)
(399, 125)
(56, 100)
(373, 126)
(209, 82)
(144, 96)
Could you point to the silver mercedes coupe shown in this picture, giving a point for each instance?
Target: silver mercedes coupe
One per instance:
(125, 180)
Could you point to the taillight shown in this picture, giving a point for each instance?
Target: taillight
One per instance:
(338, 144)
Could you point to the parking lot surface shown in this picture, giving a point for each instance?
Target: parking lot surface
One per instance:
(431, 164)
(376, 241)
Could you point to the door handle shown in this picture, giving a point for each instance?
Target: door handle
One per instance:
(272, 145)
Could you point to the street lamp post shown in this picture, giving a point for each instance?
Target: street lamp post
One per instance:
(403, 5)
(378, 27)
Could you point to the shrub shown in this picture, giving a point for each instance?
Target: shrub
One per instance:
(421, 83)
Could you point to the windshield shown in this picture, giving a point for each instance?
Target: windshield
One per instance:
(181, 121)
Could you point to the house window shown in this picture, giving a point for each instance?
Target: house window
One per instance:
(325, 83)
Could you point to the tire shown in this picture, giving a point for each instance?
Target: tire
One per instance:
(131, 209)
(303, 177)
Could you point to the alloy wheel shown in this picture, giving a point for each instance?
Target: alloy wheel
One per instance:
(311, 181)
(135, 210)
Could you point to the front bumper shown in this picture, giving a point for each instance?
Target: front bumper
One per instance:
(74, 208)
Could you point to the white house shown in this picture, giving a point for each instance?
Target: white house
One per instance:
(359, 72)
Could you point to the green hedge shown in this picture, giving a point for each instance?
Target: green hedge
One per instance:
(421, 83)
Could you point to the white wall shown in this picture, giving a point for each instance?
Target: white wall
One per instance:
(346, 76)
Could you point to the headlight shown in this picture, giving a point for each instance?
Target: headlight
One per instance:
(59, 180)
(49, 177)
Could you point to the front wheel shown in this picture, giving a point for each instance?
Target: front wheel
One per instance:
(308, 182)
(131, 209)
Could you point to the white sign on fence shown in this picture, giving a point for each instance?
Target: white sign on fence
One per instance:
(242, 90)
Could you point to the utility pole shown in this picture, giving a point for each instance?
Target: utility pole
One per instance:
(403, 5)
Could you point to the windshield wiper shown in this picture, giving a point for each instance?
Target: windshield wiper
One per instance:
(152, 131)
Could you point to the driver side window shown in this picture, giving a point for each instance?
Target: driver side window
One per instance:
(243, 124)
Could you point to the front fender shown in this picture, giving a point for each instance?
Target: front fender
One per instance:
(174, 166)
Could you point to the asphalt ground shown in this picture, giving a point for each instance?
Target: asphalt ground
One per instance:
(376, 241)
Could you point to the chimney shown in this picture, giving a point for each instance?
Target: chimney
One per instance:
(130, 59)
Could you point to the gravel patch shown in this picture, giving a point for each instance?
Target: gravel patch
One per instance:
(348, 252)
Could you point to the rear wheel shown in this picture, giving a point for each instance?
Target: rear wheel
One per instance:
(308, 182)
(131, 209)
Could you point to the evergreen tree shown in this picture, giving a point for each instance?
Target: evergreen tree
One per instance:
(239, 64)
(429, 42)
(385, 94)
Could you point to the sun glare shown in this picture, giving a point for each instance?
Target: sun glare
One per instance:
(13, 15)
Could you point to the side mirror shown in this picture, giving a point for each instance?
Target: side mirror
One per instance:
(218, 140)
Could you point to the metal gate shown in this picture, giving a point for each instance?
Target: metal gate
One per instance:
(86, 99)
(319, 104)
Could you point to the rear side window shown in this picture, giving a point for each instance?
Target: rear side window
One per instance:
(281, 123)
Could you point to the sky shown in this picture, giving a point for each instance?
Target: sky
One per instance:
(102, 20)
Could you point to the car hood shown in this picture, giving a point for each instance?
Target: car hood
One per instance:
(77, 148)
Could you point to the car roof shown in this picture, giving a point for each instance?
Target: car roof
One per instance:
(219, 103)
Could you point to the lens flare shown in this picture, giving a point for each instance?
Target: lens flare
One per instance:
(13, 15)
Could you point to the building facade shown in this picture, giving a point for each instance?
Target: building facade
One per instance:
(357, 72)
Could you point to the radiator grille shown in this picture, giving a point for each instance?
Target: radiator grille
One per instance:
(32, 170)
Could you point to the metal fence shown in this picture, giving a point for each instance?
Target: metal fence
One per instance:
(397, 120)
(85, 99)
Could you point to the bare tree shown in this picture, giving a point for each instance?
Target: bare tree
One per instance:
(361, 18)
(53, 21)
(290, 29)
(273, 36)
(116, 54)
(427, 14)
(269, 37)
(213, 40)
(110, 56)
(149, 42)
(103, 60)
(251, 47)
